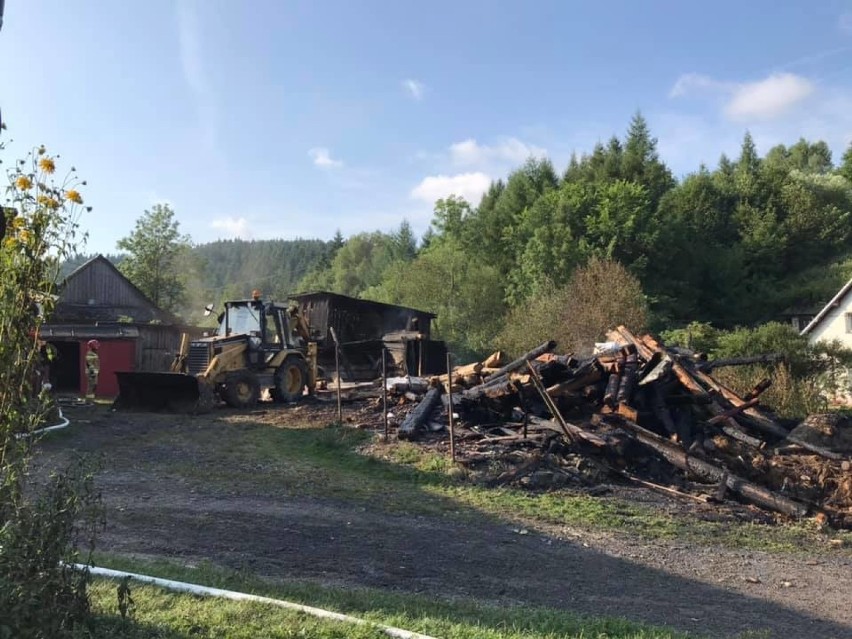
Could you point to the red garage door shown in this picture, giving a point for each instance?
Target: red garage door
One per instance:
(115, 355)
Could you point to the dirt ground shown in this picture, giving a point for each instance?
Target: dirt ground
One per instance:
(156, 507)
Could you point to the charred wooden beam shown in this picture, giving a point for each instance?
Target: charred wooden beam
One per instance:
(756, 418)
(732, 412)
(661, 411)
(678, 457)
(416, 418)
(611, 391)
(735, 432)
(572, 432)
(759, 389)
(628, 379)
(541, 349)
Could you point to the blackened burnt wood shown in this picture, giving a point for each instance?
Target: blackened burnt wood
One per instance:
(541, 349)
(628, 379)
(498, 386)
(686, 378)
(660, 410)
(683, 376)
(611, 392)
(758, 390)
(678, 457)
(571, 431)
(735, 432)
(752, 416)
(587, 373)
(417, 417)
(732, 412)
(629, 338)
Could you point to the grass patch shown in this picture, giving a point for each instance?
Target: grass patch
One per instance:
(440, 618)
(162, 614)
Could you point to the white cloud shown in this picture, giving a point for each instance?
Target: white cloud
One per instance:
(768, 98)
(844, 22)
(470, 153)
(414, 88)
(695, 82)
(321, 157)
(470, 186)
(764, 99)
(233, 226)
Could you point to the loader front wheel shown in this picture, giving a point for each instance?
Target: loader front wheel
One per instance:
(242, 390)
(290, 380)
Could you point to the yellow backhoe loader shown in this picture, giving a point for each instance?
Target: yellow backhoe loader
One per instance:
(258, 345)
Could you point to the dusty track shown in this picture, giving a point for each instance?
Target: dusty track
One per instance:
(155, 510)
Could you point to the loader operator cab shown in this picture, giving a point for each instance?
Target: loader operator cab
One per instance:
(266, 325)
(241, 318)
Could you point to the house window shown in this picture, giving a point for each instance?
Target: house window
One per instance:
(849, 322)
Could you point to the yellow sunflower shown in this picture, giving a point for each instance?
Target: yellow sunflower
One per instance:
(47, 165)
(73, 196)
(24, 183)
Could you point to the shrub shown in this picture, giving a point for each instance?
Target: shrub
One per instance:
(598, 297)
(801, 382)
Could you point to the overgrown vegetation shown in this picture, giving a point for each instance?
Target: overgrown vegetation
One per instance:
(40, 596)
(801, 381)
(599, 296)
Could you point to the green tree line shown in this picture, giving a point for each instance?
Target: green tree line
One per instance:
(733, 245)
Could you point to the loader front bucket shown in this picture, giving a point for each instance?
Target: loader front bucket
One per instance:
(171, 392)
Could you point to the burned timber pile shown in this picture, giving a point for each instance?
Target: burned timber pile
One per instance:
(639, 412)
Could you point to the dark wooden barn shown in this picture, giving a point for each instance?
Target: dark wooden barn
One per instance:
(364, 327)
(97, 302)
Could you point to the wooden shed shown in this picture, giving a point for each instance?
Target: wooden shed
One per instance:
(364, 327)
(97, 302)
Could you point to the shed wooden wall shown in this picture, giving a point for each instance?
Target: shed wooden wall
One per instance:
(98, 292)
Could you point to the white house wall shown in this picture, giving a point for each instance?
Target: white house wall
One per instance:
(833, 325)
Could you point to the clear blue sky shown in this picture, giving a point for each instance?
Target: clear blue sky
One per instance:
(272, 118)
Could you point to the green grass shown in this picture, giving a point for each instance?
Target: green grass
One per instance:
(330, 463)
(178, 615)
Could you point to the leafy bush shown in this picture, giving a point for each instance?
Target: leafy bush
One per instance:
(598, 297)
(40, 594)
(801, 382)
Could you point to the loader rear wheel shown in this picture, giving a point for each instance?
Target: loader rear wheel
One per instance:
(290, 380)
(242, 390)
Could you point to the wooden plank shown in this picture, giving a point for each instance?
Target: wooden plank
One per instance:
(546, 347)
